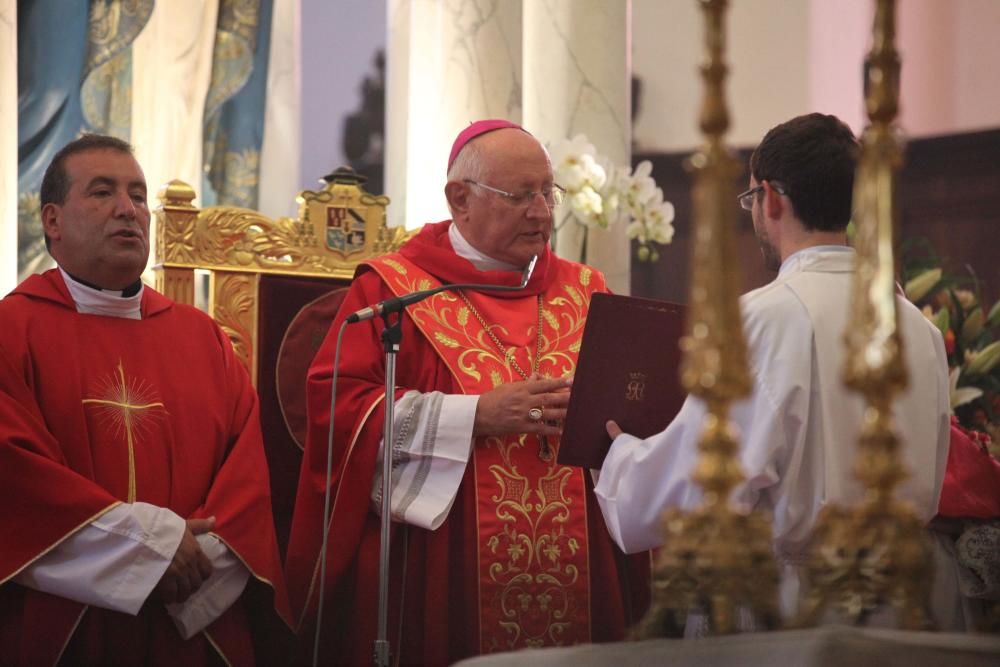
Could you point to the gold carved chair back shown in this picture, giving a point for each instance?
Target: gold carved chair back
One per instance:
(337, 228)
(273, 286)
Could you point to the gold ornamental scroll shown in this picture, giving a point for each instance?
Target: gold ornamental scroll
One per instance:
(876, 554)
(698, 568)
(240, 239)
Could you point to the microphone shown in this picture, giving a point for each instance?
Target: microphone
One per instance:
(397, 303)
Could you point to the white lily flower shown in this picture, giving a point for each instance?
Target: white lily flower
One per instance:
(961, 395)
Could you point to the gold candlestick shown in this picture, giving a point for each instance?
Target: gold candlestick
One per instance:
(698, 567)
(876, 554)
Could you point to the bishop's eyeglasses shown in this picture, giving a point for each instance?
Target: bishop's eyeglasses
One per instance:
(553, 196)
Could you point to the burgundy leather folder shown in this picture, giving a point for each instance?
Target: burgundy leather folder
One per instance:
(628, 370)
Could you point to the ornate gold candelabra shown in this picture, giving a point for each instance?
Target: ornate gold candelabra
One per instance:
(714, 559)
(875, 554)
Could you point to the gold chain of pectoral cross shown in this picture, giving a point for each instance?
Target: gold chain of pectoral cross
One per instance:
(545, 453)
(128, 415)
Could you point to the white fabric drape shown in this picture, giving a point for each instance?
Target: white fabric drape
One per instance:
(171, 68)
(281, 151)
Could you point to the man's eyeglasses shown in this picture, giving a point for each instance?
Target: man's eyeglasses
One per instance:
(553, 196)
(746, 199)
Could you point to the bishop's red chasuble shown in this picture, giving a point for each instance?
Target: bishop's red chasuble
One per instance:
(95, 411)
(523, 558)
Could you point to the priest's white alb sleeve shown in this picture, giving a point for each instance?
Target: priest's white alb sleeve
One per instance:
(216, 594)
(432, 441)
(641, 477)
(114, 562)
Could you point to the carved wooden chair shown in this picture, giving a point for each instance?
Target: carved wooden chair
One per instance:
(274, 287)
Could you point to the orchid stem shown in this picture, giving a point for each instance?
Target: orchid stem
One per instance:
(564, 221)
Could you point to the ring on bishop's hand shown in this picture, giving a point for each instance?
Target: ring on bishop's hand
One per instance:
(535, 414)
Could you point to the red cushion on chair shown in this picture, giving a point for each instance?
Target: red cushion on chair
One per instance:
(302, 338)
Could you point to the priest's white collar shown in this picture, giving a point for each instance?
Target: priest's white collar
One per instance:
(109, 303)
(465, 250)
(807, 255)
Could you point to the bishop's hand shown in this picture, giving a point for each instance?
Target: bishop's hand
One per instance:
(536, 405)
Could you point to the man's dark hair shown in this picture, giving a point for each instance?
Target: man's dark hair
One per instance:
(55, 182)
(814, 157)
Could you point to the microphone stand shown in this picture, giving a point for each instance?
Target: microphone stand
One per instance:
(392, 335)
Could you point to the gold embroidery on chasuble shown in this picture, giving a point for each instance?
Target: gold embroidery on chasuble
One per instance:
(126, 406)
(534, 569)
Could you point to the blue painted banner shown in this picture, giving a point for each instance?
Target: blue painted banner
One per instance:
(74, 75)
(235, 105)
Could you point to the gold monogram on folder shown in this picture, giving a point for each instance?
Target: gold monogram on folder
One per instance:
(635, 387)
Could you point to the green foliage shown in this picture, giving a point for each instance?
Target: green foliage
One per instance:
(953, 301)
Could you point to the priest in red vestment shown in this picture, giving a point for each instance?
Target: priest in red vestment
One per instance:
(495, 547)
(136, 517)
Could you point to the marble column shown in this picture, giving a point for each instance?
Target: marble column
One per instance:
(448, 63)
(8, 145)
(577, 73)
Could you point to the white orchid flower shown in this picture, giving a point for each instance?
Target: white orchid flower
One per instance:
(640, 189)
(659, 221)
(601, 194)
(569, 155)
(576, 146)
(587, 206)
(594, 173)
(636, 230)
(571, 176)
(663, 234)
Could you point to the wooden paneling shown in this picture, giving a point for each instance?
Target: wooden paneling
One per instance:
(949, 195)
